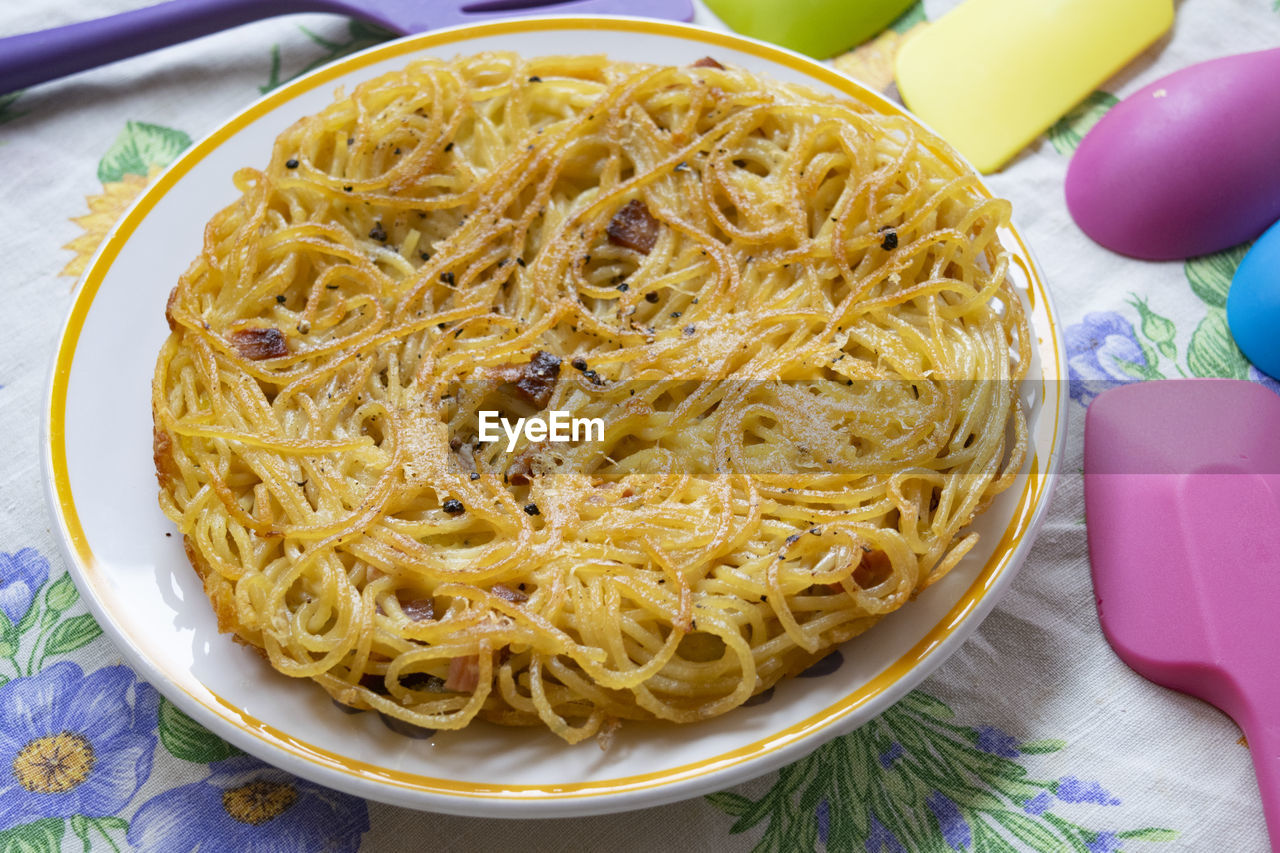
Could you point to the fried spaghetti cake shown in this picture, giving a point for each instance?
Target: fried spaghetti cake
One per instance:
(791, 313)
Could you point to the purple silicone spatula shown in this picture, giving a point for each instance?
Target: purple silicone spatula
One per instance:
(1182, 502)
(33, 58)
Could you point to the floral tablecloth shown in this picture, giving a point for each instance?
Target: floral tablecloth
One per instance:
(1032, 737)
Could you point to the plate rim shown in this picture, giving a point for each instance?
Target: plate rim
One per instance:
(542, 800)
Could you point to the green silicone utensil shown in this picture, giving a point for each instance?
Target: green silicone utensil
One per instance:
(819, 28)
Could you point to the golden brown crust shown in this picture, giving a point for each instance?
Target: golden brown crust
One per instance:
(222, 595)
(162, 455)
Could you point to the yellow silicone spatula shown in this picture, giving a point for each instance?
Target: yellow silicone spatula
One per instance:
(992, 75)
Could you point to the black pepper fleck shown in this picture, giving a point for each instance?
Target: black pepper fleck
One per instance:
(579, 363)
(624, 287)
(447, 278)
(535, 79)
(280, 298)
(890, 240)
(651, 297)
(291, 163)
(377, 232)
(453, 506)
(532, 509)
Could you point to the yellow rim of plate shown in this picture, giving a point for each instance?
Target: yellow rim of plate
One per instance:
(1032, 496)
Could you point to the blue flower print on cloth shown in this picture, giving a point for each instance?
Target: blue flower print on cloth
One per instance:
(1254, 373)
(1102, 352)
(250, 807)
(955, 829)
(21, 576)
(74, 744)
(996, 742)
(1104, 842)
(881, 840)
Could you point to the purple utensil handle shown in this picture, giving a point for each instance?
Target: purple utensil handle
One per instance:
(33, 58)
(36, 57)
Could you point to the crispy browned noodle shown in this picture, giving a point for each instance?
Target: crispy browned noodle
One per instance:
(411, 247)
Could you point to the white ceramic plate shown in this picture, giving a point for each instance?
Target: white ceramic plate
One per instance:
(142, 590)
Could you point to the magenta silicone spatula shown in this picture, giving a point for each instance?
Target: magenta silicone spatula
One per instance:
(1186, 165)
(33, 58)
(1182, 502)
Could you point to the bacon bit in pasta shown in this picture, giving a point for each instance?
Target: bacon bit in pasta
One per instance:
(464, 674)
(260, 343)
(608, 730)
(633, 227)
(506, 593)
(707, 62)
(534, 380)
(874, 570)
(419, 610)
(521, 467)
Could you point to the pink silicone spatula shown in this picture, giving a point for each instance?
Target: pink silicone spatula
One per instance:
(1182, 502)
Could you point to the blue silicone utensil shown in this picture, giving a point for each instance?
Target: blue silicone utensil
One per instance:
(1253, 303)
(32, 58)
